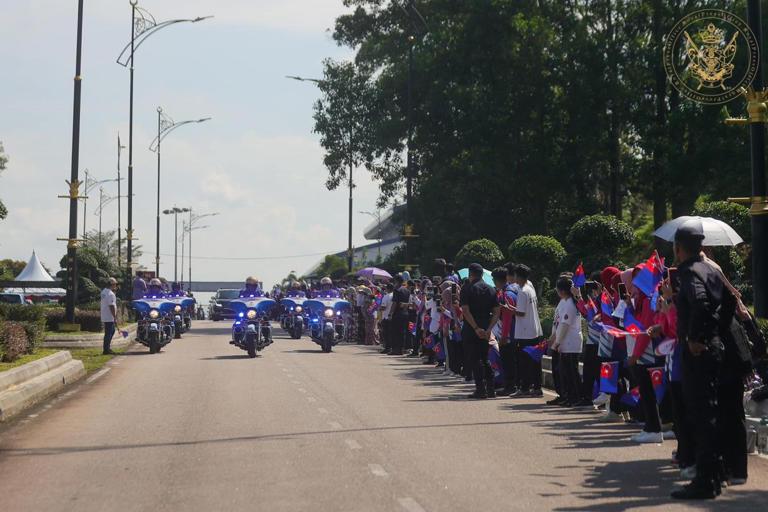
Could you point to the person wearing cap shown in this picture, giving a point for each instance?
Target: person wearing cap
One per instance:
(480, 307)
(398, 316)
(109, 313)
(700, 310)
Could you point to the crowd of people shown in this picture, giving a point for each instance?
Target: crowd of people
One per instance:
(668, 349)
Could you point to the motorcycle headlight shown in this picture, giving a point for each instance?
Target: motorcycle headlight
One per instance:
(299, 309)
(177, 309)
(329, 313)
(251, 314)
(153, 313)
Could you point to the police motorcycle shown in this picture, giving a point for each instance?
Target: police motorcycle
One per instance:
(182, 310)
(251, 330)
(326, 321)
(293, 318)
(155, 328)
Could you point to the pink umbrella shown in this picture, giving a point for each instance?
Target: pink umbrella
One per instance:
(373, 274)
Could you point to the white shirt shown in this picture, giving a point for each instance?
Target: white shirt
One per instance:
(434, 316)
(107, 299)
(386, 305)
(528, 326)
(567, 327)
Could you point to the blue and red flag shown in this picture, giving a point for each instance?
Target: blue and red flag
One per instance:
(659, 382)
(591, 309)
(536, 351)
(579, 277)
(655, 300)
(609, 377)
(437, 348)
(631, 397)
(631, 324)
(606, 304)
(495, 359)
(650, 275)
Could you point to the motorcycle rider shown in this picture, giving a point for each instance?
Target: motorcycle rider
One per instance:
(327, 291)
(155, 289)
(252, 288)
(296, 291)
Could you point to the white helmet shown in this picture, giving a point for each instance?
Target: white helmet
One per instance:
(155, 282)
(326, 280)
(250, 280)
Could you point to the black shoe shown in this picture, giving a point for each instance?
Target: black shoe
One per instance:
(536, 393)
(413, 354)
(384, 351)
(556, 401)
(520, 393)
(507, 391)
(584, 402)
(477, 395)
(566, 403)
(491, 393)
(108, 353)
(398, 353)
(467, 378)
(694, 492)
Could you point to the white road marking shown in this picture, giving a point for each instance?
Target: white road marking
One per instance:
(322, 410)
(97, 375)
(311, 399)
(353, 445)
(377, 470)
(410, 505)
(335, 425)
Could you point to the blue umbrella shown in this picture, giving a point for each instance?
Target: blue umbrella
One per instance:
(487, 277)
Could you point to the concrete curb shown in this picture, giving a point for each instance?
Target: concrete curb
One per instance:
(23, 387)
(89, 340)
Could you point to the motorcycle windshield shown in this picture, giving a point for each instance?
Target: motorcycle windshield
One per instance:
(261, 305)
(292, 302)
(144, 305)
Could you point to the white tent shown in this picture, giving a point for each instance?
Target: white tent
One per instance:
(34, 271)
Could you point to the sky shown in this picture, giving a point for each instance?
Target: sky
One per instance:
(257, 162)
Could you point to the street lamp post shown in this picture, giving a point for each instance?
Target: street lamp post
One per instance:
(165, 125)
(119, 201)
(143, 25)
(350, 251)
(74, 182)
(193, 218)
(104, 200)
(90, 183)
(376, 216)
(175, 212)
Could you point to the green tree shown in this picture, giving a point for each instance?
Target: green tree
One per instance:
(332, 266)
(483, 251)
(9, 269)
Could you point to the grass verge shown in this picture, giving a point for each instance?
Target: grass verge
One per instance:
(28, 358)
(92, 358)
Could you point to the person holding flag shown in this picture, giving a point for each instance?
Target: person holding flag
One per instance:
(591, 312)
(566, 340)
(507, 296)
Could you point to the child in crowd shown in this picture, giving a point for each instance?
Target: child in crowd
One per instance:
(566, 340)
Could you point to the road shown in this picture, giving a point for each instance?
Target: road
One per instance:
(200, 427)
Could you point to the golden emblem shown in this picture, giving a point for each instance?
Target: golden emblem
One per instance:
(711, 56)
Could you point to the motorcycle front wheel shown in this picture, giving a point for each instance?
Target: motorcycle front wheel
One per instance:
(250, 345)
(154, 342)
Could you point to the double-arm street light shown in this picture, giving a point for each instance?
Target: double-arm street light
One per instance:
(143, 25)
(105, 200)
(193, 219)
(165, 125)
(90, 183)
(350, 252)
(175, 211)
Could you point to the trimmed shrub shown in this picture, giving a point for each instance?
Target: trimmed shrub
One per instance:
(22, 313)
(482, 251)
(13, 341)
(35, 334)
(89, 320)
(735, 215)
(543, 254)
(598, 240)
(547, 318)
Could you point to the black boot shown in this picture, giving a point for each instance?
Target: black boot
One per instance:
(693, 491)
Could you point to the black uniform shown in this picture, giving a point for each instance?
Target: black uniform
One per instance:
(399, 324)
(700, 309)
(481, 300)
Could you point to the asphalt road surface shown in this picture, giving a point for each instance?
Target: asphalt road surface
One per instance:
(200, 427)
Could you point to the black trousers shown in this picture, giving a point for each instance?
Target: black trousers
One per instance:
(555, 369)
(360, 325)
(529, 371)
(731, 426)
(700, 390)
(455, 356)
(591, 371)
(468, 362)
(648, 401)
(570, 382)
(686, 454)
(384, 333)
(481, 367)
(508, 355)
(397, 328)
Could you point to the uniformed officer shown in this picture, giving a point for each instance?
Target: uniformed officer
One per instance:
(481, 312)
(701, 309)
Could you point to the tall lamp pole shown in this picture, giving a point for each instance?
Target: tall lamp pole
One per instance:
(193, 218)
(175, 212)
(74, 182)
(90, 183)
(119, 201)
(143, 25)
(350, 250)
(377, 216)
(165, 125)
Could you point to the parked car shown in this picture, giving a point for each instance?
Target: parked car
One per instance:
(12, 298)
(219, 305)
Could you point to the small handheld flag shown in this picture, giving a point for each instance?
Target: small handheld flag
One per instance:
(591, 308)
(579, 277)
(536, 351)
(124, 334)
(494, 358)
(606, 304)
(658, 381)
(650, 275)
(609, 377)
(631, 397)
(631, 324)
